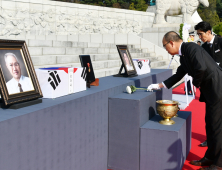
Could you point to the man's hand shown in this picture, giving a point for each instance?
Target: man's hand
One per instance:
(153, 87)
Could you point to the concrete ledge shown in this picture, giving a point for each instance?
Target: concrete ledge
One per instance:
(74, 38)
(44, 60)
(62, 37)
(84, 38)
(62, 44)
(104, 50)
(133, 39)
(121, 39)
(67, 59)
(53, 50)
(94, 45)
(96, 38)
(41, 37)
(40, 43)
(80, 44)
(90, 50)
(108, 38)
(35, 51)
(71, 51)
(50, 37)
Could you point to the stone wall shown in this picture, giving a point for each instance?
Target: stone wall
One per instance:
(45, 17)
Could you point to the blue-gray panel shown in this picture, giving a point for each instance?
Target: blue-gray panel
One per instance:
(67, 133)
(127, 113)
(165, 147)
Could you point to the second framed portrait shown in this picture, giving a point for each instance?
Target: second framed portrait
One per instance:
(18, 80)
(127, 62)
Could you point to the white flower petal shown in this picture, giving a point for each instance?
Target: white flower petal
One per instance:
(128, 89)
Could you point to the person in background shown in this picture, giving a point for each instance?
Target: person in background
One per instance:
(191, 36)
(212, 44)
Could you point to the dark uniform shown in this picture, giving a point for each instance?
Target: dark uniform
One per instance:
(208, 76)
(215, 50)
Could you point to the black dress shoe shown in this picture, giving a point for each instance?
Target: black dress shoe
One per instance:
(212, 167)
(204, 144)
(203, 162)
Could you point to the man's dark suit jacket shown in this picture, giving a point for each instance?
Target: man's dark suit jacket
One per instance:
(208, 76)
(205, 72)
(217, 45)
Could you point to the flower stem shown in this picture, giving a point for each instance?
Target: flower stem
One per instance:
(142, 88)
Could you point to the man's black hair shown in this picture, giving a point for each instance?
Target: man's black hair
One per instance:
(172, 36)
(198, 41)
(203, 26)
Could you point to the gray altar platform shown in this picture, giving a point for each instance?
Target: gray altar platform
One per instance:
(136, 139)
(165, 147)
(127, 113)
(67, 133)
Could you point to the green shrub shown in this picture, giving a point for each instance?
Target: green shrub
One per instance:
(218, 29)
(181, 30)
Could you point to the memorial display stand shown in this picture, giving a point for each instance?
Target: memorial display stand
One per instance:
(127, 113)
(120, 74)
(71, 132)
(21, 104)
(165, 147)
(137, 141)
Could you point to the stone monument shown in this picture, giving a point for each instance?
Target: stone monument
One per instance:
(166, 8)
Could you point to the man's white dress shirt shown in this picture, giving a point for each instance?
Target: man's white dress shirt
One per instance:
(26, 85)
(211, 42)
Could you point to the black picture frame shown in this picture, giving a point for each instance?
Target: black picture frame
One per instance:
(86, 62)
(127, 62)
(23, 69)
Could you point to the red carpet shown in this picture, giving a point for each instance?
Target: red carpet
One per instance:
(198, 128)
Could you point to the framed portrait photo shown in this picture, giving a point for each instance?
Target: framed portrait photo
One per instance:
(18, 80)
(127, 62)
(86, 62)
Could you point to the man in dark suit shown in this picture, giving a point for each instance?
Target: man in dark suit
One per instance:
(212, 44)
(208, 76)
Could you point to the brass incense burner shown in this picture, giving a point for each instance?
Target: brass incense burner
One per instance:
(167, 109)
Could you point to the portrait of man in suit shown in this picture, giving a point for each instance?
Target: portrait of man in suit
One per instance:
(16, 81)
(129, 65)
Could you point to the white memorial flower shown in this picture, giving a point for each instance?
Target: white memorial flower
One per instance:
(128, 89)
(132, 89)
